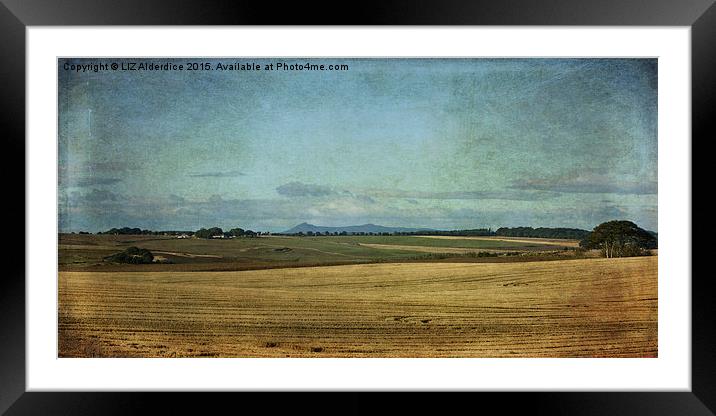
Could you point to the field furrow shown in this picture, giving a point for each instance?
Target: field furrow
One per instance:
(572, 308)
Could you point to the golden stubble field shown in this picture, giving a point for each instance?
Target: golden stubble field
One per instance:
(570, 308)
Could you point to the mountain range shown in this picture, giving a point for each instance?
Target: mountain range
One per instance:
(365, 228)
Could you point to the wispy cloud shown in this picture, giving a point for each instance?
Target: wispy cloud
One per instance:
(300, 189)
(309, 190)
(511, 195)
(587, 183)
(224, 174)
(97, 195)
(95, 181)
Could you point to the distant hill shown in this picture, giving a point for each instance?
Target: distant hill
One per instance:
(365, 228)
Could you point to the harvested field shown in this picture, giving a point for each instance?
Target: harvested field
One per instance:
(570, 308)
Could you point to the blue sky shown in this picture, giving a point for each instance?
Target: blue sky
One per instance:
(441, 143)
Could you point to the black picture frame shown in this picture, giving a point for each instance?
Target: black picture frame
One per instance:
(16, 15)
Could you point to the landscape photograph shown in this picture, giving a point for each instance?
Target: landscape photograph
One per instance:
(357, 208)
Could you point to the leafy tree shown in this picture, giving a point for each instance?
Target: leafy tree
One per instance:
(237, 232)
(619, 239)
(208, 233)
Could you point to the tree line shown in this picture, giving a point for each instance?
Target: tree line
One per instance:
(541, 232)
(464, 233)
(212, 232)
(216, 232)
(139, 231)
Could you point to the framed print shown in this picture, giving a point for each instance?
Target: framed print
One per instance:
(412, 207)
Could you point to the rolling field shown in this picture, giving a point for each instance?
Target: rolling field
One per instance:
(540, 242)
(564, 308)
(85, 252)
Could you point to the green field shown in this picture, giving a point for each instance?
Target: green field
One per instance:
(422, 241)
(86, 252)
